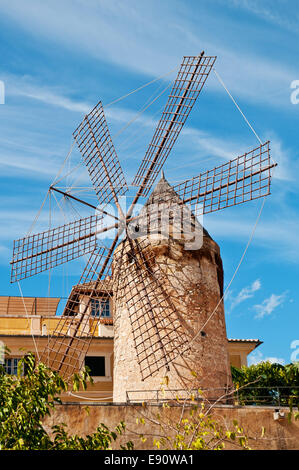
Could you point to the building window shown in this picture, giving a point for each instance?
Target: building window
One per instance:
(100, 307)
(11, 365)
(96, 365)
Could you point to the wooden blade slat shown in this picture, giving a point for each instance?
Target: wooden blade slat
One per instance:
(191, 78)
(95, 144)
(242, 179)
(94, 264)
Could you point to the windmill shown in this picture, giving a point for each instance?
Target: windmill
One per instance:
(242, 179)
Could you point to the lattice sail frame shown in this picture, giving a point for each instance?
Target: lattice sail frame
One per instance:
(40, 252)
(240, 180)
(70, 342)
(237, 181)
(190, 80)
(95, 143)
(159, 328)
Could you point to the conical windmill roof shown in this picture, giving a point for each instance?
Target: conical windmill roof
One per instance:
(164, 193)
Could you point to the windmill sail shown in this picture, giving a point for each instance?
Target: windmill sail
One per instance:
(77, 326)
(39, 252)
(190, 80)
(94, 141)
(242, 179)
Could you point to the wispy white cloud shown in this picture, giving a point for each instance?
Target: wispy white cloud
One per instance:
(256, 357)
(206, 144)
(282, 15)
(30, 165)
(16, 223)
(5, 254)
(245, 293)
(276, 231)
(53, 99)
(268, 305)
(226, 148)
(288, 164)
(27, 87)
(135, 38)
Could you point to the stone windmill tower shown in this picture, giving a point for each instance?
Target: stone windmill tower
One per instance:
(169, 317)
(168, 283)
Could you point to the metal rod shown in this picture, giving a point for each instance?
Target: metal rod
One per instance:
(105, 229)
(83, 202)
(229, 183)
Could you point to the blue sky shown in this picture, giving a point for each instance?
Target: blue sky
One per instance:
(59, 58)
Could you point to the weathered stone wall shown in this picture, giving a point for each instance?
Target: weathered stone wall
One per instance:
(279, 435)
(190, 316)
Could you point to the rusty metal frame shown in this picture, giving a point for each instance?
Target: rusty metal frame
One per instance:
(240, 180)
(190, 80)
(46, 250)
(40, 252)
(73, 334)
(95, 144)
(157, 325)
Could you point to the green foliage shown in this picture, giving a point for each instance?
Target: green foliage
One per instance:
(26, 399)
(200, 432)
(266, 383)
(195, 429)
(100, 440)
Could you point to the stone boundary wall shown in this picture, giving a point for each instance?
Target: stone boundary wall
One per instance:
(279, 434)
